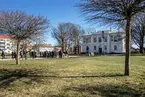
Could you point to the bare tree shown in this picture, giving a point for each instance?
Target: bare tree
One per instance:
(114, 11)
(68, 35)
(21, 26)
(62, 34)
(138, 31)
(78, 31)
(90, 30)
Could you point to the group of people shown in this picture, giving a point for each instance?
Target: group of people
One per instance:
(53, 54)
(50, 54)
(34, 54)
(23, 54)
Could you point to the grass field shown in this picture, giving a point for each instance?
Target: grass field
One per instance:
(73, 77)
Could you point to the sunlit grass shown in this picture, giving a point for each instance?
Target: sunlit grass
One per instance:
(73, 77)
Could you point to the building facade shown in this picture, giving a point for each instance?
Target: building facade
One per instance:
(43, 47)
(6, 43)
(104, 42)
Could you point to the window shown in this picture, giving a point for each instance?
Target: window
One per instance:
(84, 40)
(1, 40)
(8, 40)
(115, 47)
(95, 40)
(2, 47)
(89, 40)
(119, 38)
(105, 39)
(115, 38)
(112, 38)
(100, 40)
(105, 47)
(8, 47)
(8, 44)
(95, 47)
(3, 43)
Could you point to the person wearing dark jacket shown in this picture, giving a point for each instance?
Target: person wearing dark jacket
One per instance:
(21, 55)
(25, 54)
(15, 55)
(52, 54)
(3, 55)
(12, 55)
(60, 54)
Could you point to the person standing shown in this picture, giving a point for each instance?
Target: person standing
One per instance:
(35, 54)
(55, 54)
(66, 54)
(3, 55)
(87, 49)
(32, 54)
(15, 55)
(60, 54)
(12, 54)
(25, 54)
(21, 55)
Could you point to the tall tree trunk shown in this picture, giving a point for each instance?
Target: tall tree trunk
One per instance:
(17, 57)
(78, 49)
(62, 45)
(142, 40)
(128, 46)
(78, 44)
(141, 48)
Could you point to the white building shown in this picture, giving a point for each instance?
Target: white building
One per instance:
(44, 47)
(104, 42)
(5, 43)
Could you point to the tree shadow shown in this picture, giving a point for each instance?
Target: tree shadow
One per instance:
(7, 77)
(108, 90)
(71, 77)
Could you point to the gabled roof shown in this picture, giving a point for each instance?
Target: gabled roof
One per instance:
(4, 36)
(45, 45)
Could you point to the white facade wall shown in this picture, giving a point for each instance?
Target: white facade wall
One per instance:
(43, 49)
(104, 46)
(6, 45)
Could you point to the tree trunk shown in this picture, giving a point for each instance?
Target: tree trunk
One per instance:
(141, 49)
(17, 57)
(128, 46)
(62, 45)
(78, 49)
(142, 41)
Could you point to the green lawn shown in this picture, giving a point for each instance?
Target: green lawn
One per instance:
(73, 77)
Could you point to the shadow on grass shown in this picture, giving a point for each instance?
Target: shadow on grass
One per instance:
(7, 77)
(90, 76)
(99, 90)
(109, 90)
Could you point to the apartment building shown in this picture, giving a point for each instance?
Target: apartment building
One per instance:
(6, 43)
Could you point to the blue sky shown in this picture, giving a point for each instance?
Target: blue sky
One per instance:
(56, 11)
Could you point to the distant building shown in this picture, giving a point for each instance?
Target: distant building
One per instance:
(104, 42)
(29, 47)
(43, 47)
(57, 48)
(6, 43)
